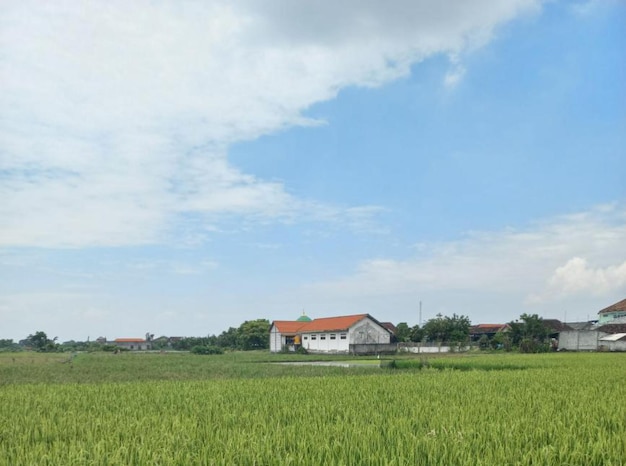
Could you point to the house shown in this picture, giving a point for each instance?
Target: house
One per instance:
(476, 332)
(389, 326)
(608, 334)
(613, 342)
(133, 344)
(343, 334)
(615, 311)
(554, 327)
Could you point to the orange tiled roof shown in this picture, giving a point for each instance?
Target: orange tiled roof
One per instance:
(325, 324)
(129, 340)
(328, 324)
(621, 306)
(288, 326)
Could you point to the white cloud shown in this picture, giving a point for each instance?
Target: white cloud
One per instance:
(577, 277)
(117, 116)
(526, 263)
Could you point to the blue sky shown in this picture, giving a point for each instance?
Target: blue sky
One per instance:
(179, 168)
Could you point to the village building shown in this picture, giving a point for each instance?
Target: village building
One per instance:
(132, 344)
(615, 311)
(607, 334)
(476, 332)
(344, 334)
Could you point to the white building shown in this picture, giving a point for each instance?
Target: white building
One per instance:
(329, 334)
(133, 344)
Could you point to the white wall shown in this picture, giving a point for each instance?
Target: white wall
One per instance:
(367, 331)
(580, 340)
(323, 342)
(276, 340)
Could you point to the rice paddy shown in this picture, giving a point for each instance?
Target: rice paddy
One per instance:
(236, 409)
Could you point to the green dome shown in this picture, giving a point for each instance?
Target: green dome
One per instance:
(303, 318)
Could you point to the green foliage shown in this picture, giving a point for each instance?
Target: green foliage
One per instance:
(453, 329)
(417, 334)
(483, 343)
(39, 341)
(9, 345)
(501, 340)
(403, 332)
(254, 334)
(251, 335)
(530, 334)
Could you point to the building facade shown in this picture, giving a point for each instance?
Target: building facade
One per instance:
(615, 311)
(132, 344)
(329, 334)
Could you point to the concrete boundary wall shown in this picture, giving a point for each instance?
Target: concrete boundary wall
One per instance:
(373, 348)
(420, 348)
(580, 340)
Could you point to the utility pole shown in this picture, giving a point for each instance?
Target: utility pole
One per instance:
(420, 321)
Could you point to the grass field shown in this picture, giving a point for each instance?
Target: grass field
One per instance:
(238, 408)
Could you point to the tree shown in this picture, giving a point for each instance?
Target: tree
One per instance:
(417, 334)
(40, 342)
(253, 334)
(530, 334)
(403, 332)
(8, 345)
(453, 329)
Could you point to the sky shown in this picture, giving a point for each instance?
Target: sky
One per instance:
(179, 167)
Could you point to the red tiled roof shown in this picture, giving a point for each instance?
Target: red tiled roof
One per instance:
(129, 340)
(288, 326)
(325, 324)
(328, 324)
(621, 306)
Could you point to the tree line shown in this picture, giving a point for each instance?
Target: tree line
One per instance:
(528, 334)
(250, 335)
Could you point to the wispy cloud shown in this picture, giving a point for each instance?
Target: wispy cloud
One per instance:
(117, 116)
(543, 262)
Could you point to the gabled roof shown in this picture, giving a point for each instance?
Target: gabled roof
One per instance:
(324, 324)
(620, 306)
(582, 325)
(288, 326)
(488, 328)
(556, 325)
(329, 324)
(389, 326)
(129, 340)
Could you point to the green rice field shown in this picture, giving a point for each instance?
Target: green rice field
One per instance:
(242, 409)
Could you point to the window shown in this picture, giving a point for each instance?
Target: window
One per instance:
(306, 337)
(333, 336)
(313, 337)
(343, 336)
(323, 336)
